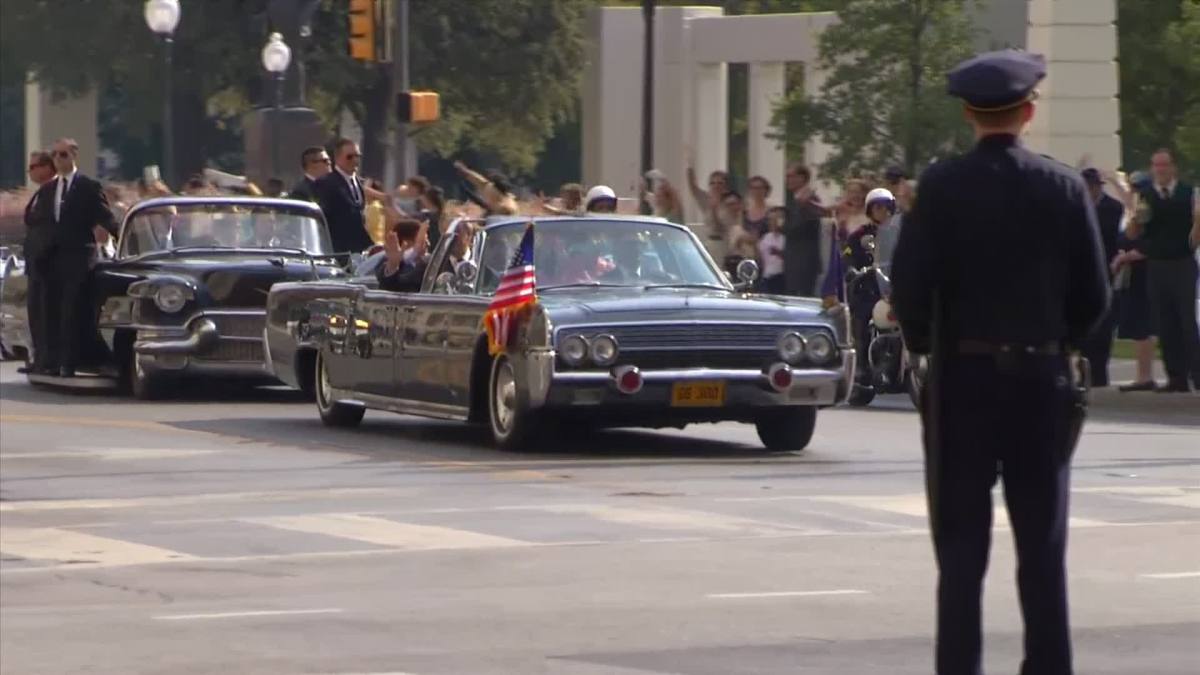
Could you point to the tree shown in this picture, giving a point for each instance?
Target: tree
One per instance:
(508, 72)
(1160, 64)
(884, 101)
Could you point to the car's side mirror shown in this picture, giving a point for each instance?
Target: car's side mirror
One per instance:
(444, 282)
(747, 273)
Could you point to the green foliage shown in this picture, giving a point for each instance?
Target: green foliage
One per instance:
(508, 71)
(1160, 66)
(884, 100)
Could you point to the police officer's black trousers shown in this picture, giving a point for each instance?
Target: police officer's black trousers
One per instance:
(1172, 285)
(36, 301)
(1006, 418)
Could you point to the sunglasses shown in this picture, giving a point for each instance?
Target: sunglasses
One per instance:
(39, 166)
(62, 154)
(319, 160)
(352, 156)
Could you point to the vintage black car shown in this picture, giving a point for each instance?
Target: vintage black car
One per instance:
(635, 325)
(187, 290)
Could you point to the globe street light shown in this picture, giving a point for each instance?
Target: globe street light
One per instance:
(276, 57)
(162, 17)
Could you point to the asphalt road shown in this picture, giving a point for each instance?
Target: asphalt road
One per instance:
(229, 532)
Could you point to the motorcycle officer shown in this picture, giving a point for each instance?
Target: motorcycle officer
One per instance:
(862, 285)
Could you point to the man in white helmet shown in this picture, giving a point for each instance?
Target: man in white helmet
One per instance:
(601, 199)
(863, 292)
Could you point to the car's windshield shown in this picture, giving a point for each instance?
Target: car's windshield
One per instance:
(165, 228)
(596, 252)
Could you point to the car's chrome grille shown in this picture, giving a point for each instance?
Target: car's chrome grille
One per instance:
(238, 325)
(234, 350)
(706, 336)
(683, 358)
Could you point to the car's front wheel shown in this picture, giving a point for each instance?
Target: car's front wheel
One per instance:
(333, 413)
(514, 425)
(144, 384)
(787, 430)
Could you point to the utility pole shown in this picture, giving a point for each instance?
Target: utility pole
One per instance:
(648, 9)
(405, 158)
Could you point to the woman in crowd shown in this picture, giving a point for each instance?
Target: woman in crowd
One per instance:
(492, 192)
(662, 197)
(770, 252)
(757, 191)
(433, 203)
(743, 242)
(849, 215)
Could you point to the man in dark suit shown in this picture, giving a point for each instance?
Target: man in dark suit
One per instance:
(405, 246)
(39, 221)
(342, 196)
(1109, 211)
(315, 163)
(79, 218)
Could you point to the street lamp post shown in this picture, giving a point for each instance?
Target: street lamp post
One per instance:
(276, 57)
(162, 17)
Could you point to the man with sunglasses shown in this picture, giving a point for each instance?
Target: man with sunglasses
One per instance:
(342, 197)
(315, 163)
(38, 223)
(78, 217)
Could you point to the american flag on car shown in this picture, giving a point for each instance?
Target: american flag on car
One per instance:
(516, 293)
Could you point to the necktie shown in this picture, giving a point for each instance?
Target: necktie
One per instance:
(60, 195)
(355, 192)
(1166, 193)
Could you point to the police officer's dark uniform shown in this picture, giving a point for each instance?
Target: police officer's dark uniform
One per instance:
(997, 274)
(862, 292)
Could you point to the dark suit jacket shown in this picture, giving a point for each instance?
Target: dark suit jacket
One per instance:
(84, 206)
(39, 226)
(305, 190)
(407, 279)
(347, 225)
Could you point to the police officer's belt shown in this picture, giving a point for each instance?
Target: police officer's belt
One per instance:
(981, 348)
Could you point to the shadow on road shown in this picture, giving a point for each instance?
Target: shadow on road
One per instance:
(190, 393)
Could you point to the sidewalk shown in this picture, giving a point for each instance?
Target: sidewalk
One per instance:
(1147, 407)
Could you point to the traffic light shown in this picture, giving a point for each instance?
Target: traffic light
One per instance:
(417, 107)
(363, 22)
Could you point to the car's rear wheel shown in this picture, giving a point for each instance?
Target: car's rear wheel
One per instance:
(514, 425)
(787, 430)
(333, 413)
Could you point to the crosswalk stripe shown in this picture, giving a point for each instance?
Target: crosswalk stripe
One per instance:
(78, 548)
(203, 498)
(679, 519)
(384, 532)
(107, 454)
(914, 505)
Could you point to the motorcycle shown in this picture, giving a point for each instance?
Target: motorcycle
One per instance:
(889, 366)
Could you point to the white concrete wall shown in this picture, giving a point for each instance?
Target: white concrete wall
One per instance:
(48, 118)
(612, 98)
(1079, 112)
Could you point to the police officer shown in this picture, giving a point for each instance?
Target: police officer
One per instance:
(999, 396)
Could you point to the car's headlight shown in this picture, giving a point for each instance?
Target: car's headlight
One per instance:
(172, 297)
(821, 348)
(791, 347)
(574, 350)
(604, 350)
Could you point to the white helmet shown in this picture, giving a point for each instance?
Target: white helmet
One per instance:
(598, 193)
(881, 196)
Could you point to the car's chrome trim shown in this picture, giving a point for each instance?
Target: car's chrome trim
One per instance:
(398, 405)
(800, 376)
(204, 335)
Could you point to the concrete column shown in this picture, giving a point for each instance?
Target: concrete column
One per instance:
(710, 131)
(612, 98)
(1078, 113)
(766, 155)
(48, 118)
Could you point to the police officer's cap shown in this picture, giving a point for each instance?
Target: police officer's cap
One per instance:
(997, 81)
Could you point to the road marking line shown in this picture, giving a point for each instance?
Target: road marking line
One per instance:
(48, 543)
(1171, 575)
(107, 454)
(238, 615)
(384, 532)
(785, 594)
(192, 500)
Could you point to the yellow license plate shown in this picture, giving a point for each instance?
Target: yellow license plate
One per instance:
(698, 394)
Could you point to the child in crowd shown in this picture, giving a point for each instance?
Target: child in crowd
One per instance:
(770, 251)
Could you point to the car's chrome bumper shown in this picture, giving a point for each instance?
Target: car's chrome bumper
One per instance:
(744, 388)
(197, 350)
